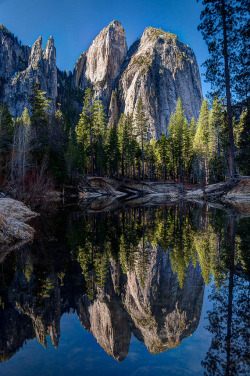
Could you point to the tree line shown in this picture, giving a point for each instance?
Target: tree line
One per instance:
(40, 147)
(187, 151)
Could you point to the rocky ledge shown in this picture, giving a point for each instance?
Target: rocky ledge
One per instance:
(92, 187)
(105, 193)
(14, 230)
(233, 190)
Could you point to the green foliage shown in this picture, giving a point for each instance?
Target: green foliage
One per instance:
(189, 152)
(141, 127)
(6, 132)
(179, 140)
(243, 143)
(236, 14)
(40, 109)
(128, 237)
(112, 149)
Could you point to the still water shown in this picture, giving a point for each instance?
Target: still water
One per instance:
(135, 290)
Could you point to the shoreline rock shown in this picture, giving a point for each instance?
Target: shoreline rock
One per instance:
(13, 227)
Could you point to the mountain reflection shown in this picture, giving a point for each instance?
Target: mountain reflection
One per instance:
(139, 271)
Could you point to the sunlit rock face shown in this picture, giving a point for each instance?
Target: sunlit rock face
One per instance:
(100, 66)
(22, 66)
(159, 69)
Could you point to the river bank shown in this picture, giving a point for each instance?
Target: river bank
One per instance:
(102, 194)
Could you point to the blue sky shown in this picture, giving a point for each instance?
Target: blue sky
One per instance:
(75, 23)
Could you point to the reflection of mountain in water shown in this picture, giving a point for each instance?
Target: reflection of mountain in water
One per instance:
(116, 272)
(158, 313)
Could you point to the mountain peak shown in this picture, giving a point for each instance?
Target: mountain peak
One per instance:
(115, 23)
(154, 33)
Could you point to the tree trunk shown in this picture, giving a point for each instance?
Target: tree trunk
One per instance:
(91, 153)
(228, 94)
(142, 161)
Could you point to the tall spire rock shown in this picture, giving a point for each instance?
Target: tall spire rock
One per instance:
(51, 68)
(159, 69)
(100, 67)
(36, 53)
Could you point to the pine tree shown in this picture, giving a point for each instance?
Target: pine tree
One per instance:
(152, 158)
(215, 127)
(224, 28)
(141, 129)
(123, 139)
(132, 145)
(217, 143)
(177, 125)
(99, 126)
(40, 111)
(6, 135)
(73, 155)
(112, 150)
(84, 132)
(187, 148)
(163, 147)
(201, 140)
(243, 143)
(172, 145)
(192, 131)
(57, 147)
(21, 148)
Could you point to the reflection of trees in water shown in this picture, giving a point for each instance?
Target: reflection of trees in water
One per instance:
(229, 318)
(214, 239)
(189, 235)
(229, 325)
(99, 253)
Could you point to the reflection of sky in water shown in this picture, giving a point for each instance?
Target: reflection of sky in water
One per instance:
(80, 354)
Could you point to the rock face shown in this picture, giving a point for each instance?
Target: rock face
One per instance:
(100, 66)
(22, 66)
(158, 68)
(13, 56)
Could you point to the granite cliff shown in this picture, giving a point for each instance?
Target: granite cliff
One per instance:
(160, 69)
(157, 67)
(100, 66)
(20, 66)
